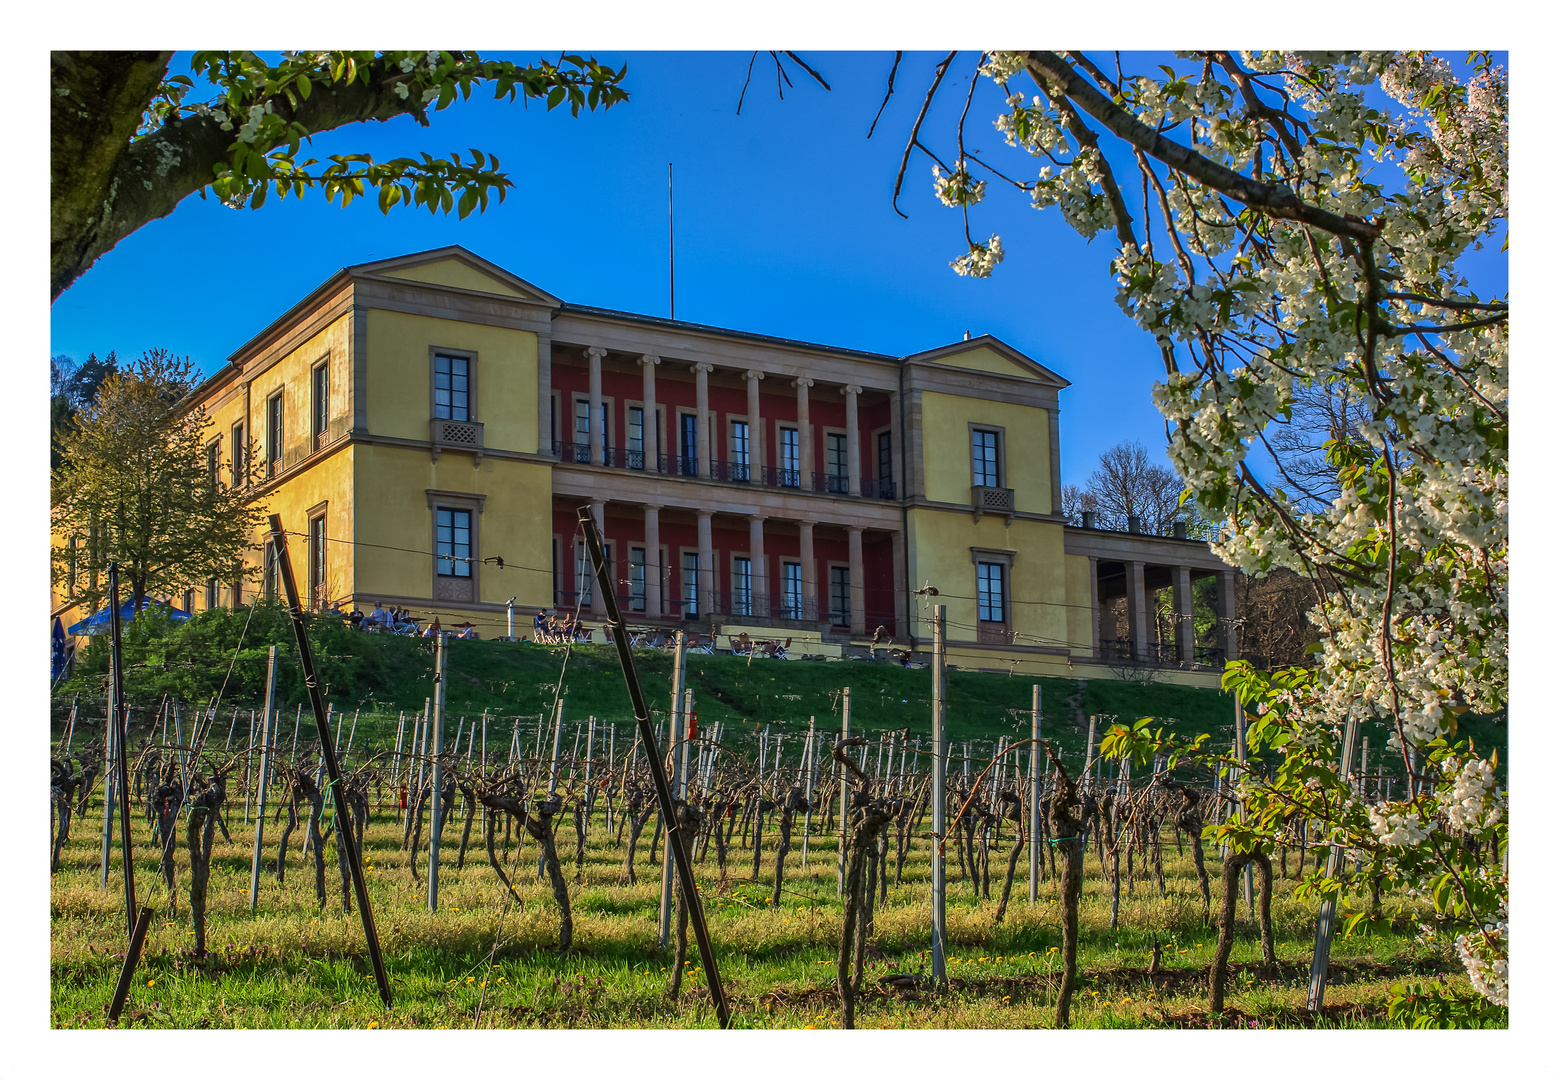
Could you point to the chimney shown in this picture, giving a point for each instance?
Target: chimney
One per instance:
(1088, 519)
(1134, 523)
(966, 335)
(1179, 530)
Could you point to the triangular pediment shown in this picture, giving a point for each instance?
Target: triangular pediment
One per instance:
(456, 268)
(993, 356)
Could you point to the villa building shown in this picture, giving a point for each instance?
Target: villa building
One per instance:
(428, 427)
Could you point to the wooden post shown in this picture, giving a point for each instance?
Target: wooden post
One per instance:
(441, 659)
(557, 744)
(674, 838)
(811, 766)
(295, 721)
(938, 795)
(844, 794)
(1034, 771)
(1325, 923)
(267, 736)
(1088, 761)
(311, 688)
(673, 730)
(1248, 876)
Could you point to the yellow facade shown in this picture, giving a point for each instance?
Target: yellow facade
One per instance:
(946, 420)
(399, 347)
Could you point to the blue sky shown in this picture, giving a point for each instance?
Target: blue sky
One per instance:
(784, 226)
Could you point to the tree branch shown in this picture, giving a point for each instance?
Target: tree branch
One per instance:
(1049, 69)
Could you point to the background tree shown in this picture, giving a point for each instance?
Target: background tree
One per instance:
(1294, 238)
(139, 486)
(73, 387)
(128, 140)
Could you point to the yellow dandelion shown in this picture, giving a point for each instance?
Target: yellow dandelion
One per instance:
(151, 982)
(372, 1024)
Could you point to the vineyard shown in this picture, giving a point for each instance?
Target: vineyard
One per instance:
(551, 866)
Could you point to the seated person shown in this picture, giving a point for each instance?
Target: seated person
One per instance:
(356, 618)
(433, 629)
(378, 618)
(541, 622)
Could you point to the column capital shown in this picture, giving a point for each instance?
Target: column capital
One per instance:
(648, 358)
(756, 376)
(801, 382)
(851, 388)
(595, 352)
(704, 515)
(756, 519)
(855, 528)
(701, 367)
(806, 524)
(653, 507)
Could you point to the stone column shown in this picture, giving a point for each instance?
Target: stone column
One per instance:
(1137, 608)
(652, 567)
(808, 572)
(706, 563)
(852, 438)
(705, 444)
(1055, 461)
(900, 597)
(760, 575)
(894, 436)
(651, 417)
(1093, 601)
(857, 583)
(597, 440)
(754, 427)
(804, 433)
(1228, 632)
(598, 511)
(1185, 629)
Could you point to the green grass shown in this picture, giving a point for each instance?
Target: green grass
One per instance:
(291, 965)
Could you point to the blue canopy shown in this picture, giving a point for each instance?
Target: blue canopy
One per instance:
(98, 623)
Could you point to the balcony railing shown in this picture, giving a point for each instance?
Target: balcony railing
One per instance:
(730, 472)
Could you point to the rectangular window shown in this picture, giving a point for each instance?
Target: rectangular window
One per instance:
(584, 577)
(239, 464)
(790, 589)
(790, 457)
(635, 437)
(636, 579)
(317, 561)
(836, 455)
(690, 584)
(319, 414)
(270, 579)
(689, 452)
(741, 586)
(238, 583)
(72, 555)
(189, 601)
(991, 596)
(839, 595)
(739, 449)
(983, 451)
(213, 462)
(273, 435)
(884, 459)
(211, 594)
(451, 388)
(453, 543)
